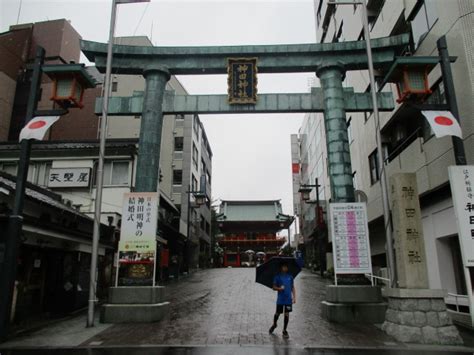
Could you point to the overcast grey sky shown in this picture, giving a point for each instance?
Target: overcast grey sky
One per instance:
(251, 152)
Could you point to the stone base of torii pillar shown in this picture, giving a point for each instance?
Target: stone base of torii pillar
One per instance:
(135, 304)
(419, 316)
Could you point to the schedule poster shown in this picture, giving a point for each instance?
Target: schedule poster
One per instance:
(350, 238)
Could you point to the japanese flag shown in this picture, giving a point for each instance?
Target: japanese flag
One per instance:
(443, 123)
(37, 127)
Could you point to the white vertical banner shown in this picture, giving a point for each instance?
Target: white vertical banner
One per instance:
(461, 179)
(350, 238)
(137, 246)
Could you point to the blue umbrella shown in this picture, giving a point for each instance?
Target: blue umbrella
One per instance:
(267, 271)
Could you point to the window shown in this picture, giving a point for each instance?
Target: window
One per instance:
(178, 144)
(374, 8)
(203, 167)
(119, 173)
(374, 167)
(195, 156)
(42, 174)
(115, 173)
(180, 117)
(423, 21)
(437, 96)
(10, 168)
(203, 223)
(208, 175)
(177, 177)
(349, 130)
(354, 180)
(338, 35)
(194, 186)
(196, 125)
(114, 86)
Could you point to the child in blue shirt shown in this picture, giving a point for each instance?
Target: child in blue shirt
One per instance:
(283, 283)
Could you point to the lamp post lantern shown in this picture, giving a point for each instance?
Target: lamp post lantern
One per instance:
(74, 79)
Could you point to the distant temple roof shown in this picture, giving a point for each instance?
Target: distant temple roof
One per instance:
(253, 215)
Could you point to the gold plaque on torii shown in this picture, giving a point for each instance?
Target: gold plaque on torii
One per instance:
(242, 80)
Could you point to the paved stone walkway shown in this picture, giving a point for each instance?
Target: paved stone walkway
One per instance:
(226, 306)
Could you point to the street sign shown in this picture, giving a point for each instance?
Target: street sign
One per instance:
(350, 238)
(462, 187)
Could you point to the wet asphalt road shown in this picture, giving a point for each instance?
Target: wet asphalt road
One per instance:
(225, 350)
(226, 306)
(224, 312)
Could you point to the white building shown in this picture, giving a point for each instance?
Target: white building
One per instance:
(409, 144)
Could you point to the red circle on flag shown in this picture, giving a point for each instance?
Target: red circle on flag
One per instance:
(37, 124)
(443, 121)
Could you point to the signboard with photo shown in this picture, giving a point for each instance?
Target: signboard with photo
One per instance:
(137, 246)
(350, 238)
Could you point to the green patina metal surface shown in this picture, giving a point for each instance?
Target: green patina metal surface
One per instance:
(339, 157)
(148, 169)
(320, 58)
(271, 58)
(267, 103)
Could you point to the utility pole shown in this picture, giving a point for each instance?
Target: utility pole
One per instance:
(12, 239)
(100, 173)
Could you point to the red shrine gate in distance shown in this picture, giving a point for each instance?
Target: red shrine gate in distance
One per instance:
(248, 229)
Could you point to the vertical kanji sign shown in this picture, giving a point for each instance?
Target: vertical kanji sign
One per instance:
(242, 80)
(139, 224)
(412, 264)
(462, 187)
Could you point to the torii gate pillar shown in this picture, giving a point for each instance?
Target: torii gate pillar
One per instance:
(337, 141)
(148, 162)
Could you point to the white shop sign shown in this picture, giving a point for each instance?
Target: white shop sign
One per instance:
(462, 188)
(350, 238)
(69, 177)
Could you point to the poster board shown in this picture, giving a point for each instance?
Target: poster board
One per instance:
(350, 238)
(137, 245)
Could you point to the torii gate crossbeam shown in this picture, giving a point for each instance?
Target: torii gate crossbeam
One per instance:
(330, 61)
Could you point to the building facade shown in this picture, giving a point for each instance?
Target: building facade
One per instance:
(409, 143)
(65, 163)
(249, 231)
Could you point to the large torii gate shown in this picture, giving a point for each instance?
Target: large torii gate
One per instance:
(329, 61)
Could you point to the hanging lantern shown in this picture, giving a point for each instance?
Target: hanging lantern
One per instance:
(199, 199)
(305, 192)
(69, 83)
(410, 74)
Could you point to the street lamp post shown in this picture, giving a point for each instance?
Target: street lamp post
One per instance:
(11, 242)
(199, 200)
(15, 222)
(305, 190)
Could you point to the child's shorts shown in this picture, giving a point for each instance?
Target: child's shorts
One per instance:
(288, 308)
